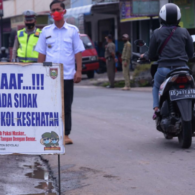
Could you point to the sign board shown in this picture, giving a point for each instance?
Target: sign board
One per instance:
(31, 109)
(187, 13)
(126, 12)
(125, 9)
(1, 8)
(145, 7)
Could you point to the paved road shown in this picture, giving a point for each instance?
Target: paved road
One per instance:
(117, 150)
(25, 175)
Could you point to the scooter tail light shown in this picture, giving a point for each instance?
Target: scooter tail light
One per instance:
(181, 86)
(181, 79)
(189, 77)
(173, 79)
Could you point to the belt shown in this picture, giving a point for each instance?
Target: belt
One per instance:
(27, 59)
(172, 67)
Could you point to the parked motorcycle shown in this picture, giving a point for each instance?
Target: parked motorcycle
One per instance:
(177, 98)
(4, 60)
(134, 58)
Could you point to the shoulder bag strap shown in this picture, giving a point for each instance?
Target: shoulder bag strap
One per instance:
(167, 40)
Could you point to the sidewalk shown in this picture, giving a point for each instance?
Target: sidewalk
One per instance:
(103, 78)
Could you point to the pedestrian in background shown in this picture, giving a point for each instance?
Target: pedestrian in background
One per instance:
(60, 43)
(26, 40)
(110, 60)
(126, 56)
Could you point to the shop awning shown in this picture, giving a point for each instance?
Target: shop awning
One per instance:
(76, 16)
(106, 8)
(79, 10)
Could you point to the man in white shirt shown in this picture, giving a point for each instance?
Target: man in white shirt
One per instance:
(60, 43)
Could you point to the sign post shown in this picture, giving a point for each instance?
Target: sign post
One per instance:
(1, 21)
(32, 109)
(59, 176)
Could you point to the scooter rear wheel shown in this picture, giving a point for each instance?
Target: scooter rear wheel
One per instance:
(185, 137)
(168, 136)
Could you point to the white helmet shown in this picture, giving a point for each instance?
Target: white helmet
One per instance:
(170, 14)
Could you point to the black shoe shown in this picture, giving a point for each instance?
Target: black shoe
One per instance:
(110, 86)
(156, 114)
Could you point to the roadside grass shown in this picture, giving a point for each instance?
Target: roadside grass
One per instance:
(117, 84)
(121, 84)
(140, 69)
(139, 79)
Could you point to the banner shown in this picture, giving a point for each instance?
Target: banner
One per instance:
(1, 8)
(31, 109)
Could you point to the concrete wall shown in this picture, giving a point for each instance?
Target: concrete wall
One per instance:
(17, 7)
(9, 8)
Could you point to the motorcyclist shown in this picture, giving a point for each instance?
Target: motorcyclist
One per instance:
(175, 53)
(3, 53)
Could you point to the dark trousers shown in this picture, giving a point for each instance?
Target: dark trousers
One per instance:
(111, 71)
(68, 99)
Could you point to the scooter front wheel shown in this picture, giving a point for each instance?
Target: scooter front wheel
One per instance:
(185, 137)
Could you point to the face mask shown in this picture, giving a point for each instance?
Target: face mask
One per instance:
(30, 25)
(57, 16)
(46, 142)
(54, 141)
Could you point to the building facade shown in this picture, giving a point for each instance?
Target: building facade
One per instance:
(187, 8)
(13, 18)
(97, 20)
(17, 7)
(141, 26)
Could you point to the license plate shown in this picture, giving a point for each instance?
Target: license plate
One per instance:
(182, 94)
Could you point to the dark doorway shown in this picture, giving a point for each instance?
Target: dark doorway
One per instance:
(105, 27)
(88, 29)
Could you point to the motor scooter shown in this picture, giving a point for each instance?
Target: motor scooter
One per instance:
(176, 97)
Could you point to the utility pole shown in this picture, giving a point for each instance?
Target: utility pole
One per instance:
(1, 21)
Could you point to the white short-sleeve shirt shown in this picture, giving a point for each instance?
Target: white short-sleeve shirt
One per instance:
(60, 46)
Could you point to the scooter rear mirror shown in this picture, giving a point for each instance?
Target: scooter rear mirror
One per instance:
(139, 43)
